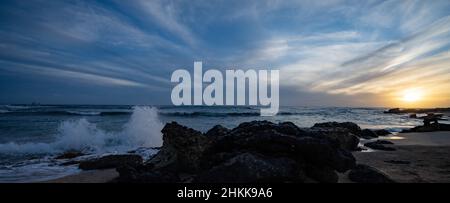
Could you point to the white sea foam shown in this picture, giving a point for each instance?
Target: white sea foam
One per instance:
(142, 130)
(85, 113)
(17, 107)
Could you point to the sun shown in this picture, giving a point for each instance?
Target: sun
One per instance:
(412, 95)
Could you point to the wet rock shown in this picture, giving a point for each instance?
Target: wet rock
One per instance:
(360, 149)
(217, 130)
(345, 141)
(255, 127)
(286, 140)
(289, 128)
(251, 168)
(111, 161)
(349, 126)
(258, 151)
(344, 134)
(444, 127)
(368, 134)
(380, 145)
(367, 174)
(429, 128)
(394, 110)
(322, 174)
(69, 155)
(142, 149)
(182, 147)
(270, 139)
(416, 111)
(312, 149)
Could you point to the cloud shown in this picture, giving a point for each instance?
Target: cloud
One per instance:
(328, 49)
(69, 74)
(386, 59)
(166, 14)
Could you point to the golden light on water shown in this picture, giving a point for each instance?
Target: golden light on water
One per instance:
(396, 138)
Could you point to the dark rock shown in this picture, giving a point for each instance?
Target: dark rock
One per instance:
(429, 128)
(289, 128)
(142, 149)
(444, 127)
(416, 111)
(345, 141)
(368, 134)
(344, 134)
(251, 168)
(255, 127)
(394, 110)
(366, 174)
(183, 147)
(217, 130)
(111, 161)
(258, 151)
(270, 139)
(322, 174)
(379, 145)
(349, 126)
(69, 155)
(360, 149)
(382, 132)
(314, 150)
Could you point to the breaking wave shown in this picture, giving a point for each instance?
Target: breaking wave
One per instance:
(142, 130)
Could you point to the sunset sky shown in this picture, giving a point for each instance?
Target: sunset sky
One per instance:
(329, 53)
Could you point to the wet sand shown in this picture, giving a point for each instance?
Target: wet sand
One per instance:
(439, 138)
(93, 176)
(420, 157)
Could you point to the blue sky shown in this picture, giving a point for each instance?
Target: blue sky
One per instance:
(330, 53)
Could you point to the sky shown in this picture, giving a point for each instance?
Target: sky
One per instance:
(329, 53)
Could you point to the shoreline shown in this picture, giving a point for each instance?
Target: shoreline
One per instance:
(419, 157)
(411, 163)
(91, 176)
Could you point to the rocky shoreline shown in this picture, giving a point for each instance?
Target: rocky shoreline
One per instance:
(253, 152)
(430, 120)
(418, 110)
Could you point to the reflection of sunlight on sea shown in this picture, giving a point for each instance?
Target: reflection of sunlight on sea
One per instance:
(395, 138)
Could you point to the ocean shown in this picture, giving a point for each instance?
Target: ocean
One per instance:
(32, 135)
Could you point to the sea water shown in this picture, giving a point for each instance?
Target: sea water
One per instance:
(32, 135)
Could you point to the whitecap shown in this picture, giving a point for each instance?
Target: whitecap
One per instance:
(142, 130)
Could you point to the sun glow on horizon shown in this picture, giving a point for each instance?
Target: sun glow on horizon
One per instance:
(412, 95)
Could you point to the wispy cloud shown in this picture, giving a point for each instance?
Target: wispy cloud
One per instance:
(336, 49)
(89, 78)
(166, 14)
(385, 60)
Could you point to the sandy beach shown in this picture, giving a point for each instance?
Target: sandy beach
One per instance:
(419, 158)
(92, 176)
